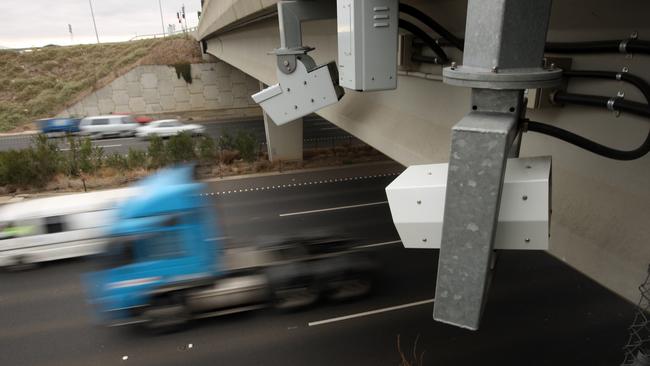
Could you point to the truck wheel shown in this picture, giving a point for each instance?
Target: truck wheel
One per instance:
(349, 288)
(294, 298)
(168, 314)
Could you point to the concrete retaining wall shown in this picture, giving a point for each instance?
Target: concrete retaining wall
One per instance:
(156, 89)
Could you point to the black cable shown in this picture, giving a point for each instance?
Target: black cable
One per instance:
(615, 104)
(631, 45)
(404, 24)
(431, 23)
(587, 144)
(610, 46)
(641, 84)
(599, 101)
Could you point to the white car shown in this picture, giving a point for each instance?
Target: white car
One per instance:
(105, 126)
(168, 127)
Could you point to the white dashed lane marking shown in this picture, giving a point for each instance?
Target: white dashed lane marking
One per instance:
(297, 184)
(332, 209)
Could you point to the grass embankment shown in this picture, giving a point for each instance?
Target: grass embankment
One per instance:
(45, 167)
(42, 82)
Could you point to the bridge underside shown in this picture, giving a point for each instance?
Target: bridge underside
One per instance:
(600, 206)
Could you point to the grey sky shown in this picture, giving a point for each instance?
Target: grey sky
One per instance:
(30, 23)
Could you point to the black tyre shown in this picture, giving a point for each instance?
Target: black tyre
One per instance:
(350, 287)
(287, 299)
(167, 314)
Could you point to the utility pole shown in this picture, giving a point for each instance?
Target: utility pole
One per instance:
(184, 19)
(71, 35)
(92, 13)
(162, 22)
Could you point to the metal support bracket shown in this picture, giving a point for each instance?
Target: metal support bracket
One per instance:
(480, 145)
(291, 14)
(303, 87)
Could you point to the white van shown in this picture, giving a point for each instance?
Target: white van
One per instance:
(59, 227)
(108, 126)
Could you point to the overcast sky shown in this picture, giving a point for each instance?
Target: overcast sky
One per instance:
(30, 23)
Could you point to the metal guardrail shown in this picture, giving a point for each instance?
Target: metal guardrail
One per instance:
(162, 35)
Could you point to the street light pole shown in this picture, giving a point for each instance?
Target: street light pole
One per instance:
(162, 22)
(92, 13)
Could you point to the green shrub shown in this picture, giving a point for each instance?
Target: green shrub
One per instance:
(180, 148)
(46, 158)
(157, 153)
(207, 150)
(226, 142)
(116, 161)
(90, 158)
(82, 157)
(31, 167)
(136, 159)
(16, 169)
(71, 159)
(245, 143)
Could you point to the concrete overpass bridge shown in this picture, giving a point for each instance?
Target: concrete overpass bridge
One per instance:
(600, 206)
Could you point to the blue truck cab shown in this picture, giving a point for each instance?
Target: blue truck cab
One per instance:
(162, 239)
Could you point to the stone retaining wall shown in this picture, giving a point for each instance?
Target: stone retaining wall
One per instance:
(156, 89)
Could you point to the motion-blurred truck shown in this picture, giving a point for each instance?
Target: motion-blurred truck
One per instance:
(167, 263)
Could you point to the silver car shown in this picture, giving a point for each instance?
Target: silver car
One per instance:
(108, 126)
(168, 127)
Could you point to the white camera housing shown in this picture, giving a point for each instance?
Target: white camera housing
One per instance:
(367, 44)
(417, 201)
(307, 89)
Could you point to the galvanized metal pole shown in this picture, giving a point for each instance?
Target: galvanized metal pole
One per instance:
(504, 47)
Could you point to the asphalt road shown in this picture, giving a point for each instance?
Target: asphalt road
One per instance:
(539, 312)
(317, 132)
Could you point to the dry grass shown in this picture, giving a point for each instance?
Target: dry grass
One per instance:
(43, 82)
(413, 359)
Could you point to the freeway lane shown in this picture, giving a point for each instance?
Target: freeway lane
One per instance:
(540, 312)
(317, 132)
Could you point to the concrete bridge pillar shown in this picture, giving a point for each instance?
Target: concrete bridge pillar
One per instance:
(283, 142)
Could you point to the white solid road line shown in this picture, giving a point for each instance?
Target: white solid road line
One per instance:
(379, 244)
(332, 209)
(371, 312)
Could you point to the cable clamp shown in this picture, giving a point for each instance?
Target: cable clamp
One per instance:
(622, 47)
(611, 101)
